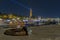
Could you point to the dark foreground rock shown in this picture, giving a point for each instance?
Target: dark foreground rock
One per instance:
(14, 32)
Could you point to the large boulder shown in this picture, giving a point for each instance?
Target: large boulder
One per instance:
(13, 32)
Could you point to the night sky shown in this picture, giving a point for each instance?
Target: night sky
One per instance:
(45, 8)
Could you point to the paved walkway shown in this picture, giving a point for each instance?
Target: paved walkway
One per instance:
(49, 32)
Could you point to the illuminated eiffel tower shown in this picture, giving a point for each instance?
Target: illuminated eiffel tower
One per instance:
(30, 13)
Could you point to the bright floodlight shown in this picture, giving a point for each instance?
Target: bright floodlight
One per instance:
(18, 18)
(0, 19)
